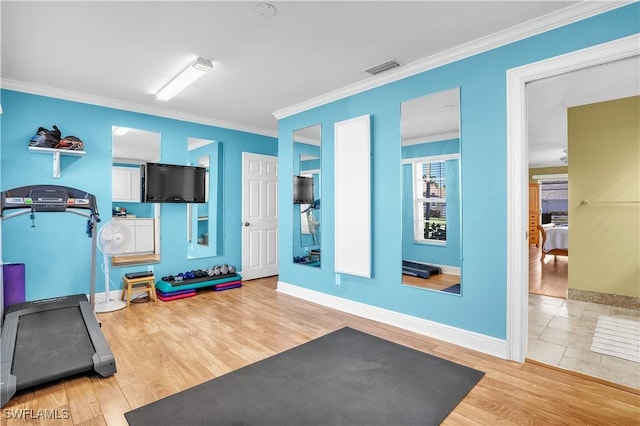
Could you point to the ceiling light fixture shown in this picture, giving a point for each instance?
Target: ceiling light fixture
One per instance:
(565, 158)
(193, 72)
(266, 10)
(121, 131)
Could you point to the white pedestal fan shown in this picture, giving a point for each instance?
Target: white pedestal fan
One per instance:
(113, 238)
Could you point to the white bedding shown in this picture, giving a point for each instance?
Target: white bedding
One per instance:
(557, 238)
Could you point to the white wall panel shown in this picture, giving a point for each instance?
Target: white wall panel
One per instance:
(353, 196)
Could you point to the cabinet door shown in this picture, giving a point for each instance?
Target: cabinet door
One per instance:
(125, 184)
(130, 224)
(135, 185)
(144, 235)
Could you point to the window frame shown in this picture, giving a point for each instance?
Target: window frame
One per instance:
(418, 202)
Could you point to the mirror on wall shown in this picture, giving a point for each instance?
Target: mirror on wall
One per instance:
(431, 192)
(202, 218)
(131, 148)
(307, 218)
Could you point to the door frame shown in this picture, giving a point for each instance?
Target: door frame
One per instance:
(517, 172)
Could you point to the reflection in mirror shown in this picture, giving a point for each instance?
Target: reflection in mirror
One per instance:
(202, 218)
(130, 149)
(306, 197)
(431, 204)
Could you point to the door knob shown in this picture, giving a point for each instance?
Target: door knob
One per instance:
(246, 224)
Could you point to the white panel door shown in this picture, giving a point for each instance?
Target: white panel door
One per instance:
(259, 215)
(352, 170)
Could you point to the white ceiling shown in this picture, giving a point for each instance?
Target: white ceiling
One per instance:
(120, 53)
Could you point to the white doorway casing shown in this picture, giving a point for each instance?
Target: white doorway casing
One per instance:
(259, 215)
(517, 172)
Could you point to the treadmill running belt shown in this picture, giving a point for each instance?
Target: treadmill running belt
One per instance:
(50, 345)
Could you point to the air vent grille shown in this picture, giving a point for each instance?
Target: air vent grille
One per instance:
(383, 67)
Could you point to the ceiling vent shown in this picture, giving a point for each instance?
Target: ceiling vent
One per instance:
(383, 67)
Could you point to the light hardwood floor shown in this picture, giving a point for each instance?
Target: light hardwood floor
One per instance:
(435, 282)
(550, 276)
(164, 348)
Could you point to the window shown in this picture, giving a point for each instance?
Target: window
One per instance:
(429, 202)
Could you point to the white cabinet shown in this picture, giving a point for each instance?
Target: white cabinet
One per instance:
(125, 184)
(144, 235)
(141, 236)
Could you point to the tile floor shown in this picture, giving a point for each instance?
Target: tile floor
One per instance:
(560, 333)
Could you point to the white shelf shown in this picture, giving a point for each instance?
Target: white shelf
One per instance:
(56, 156)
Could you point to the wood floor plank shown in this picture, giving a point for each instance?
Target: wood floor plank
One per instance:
(167, 347)
(83, 403)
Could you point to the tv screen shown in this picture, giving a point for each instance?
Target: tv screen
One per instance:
(302, 190)
(172, 183)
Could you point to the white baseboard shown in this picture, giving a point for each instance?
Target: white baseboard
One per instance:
(113, 295)
(468, 339)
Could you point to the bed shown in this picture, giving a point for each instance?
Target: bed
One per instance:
(555, 240)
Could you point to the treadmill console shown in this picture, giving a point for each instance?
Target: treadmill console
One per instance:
(47, 198)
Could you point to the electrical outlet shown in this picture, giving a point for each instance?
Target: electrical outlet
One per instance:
(338, 279)
(150, 268)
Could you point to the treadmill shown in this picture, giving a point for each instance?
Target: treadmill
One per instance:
(49, 339)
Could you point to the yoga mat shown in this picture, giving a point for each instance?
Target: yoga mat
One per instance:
(344, 378)
(453, 289)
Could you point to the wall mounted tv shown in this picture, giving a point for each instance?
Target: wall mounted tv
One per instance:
(302, 190)
(173, 183)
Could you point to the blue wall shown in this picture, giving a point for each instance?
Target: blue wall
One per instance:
(482, 81)
(57, 252)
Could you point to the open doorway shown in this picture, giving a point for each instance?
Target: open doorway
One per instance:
(548, 262)
(556, 320)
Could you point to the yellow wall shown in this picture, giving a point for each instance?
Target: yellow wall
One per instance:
(547, 171)
(604, 167)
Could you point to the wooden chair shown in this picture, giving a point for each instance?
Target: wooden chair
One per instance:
(135, 285)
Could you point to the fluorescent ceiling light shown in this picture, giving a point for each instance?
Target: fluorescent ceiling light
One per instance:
(121, 131)
(196, 70)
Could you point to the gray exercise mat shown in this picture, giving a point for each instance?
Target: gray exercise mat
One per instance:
(344, 378)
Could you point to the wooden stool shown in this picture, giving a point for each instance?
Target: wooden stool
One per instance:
(145, 284)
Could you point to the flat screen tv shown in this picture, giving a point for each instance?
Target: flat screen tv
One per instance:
(173, 183)
(302, 190)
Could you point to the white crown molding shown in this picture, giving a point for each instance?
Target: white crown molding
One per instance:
(551, 176)
(468, 339)
(432, 138)
(556, 163)
(37, 89)
(568, 15)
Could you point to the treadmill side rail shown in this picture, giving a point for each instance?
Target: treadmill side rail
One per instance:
(8, 342)
(103, 361)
